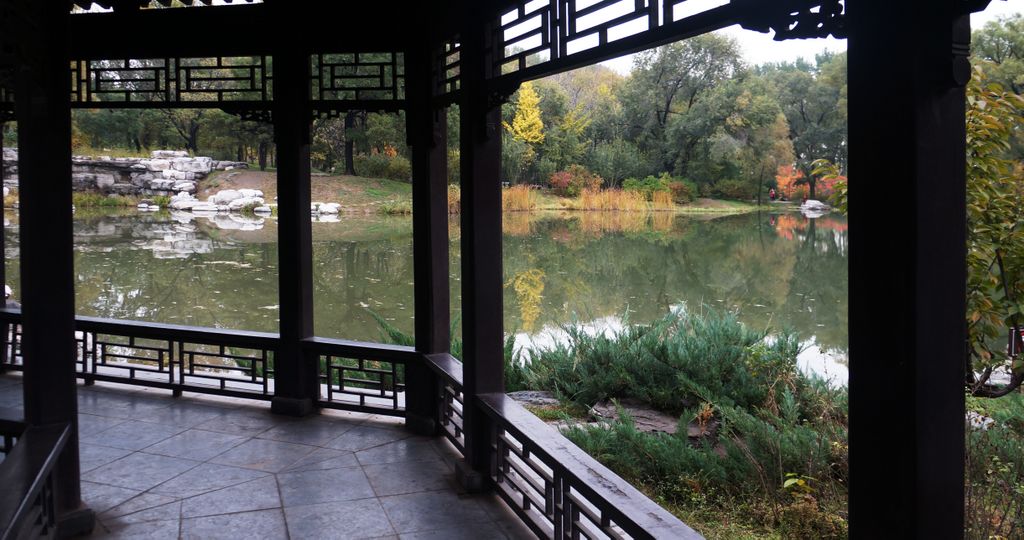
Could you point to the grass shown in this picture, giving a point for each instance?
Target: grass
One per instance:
(610, 200)
(98, 200)
(521, 198)
(395, 208)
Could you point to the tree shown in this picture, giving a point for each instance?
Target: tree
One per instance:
(995, 235)
(1001, 44)
(667, 82)
(527, 131)
(813, 99)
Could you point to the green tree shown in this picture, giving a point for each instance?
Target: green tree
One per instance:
(669, 81)
(995, 234)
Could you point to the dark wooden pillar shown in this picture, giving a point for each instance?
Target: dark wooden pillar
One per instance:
(296, 387)
(907, 267)
(43, 112)
(480, 153)
(427, 128)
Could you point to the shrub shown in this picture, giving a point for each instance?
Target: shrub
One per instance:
(733, 189)
(683, 191)
(395, 208)
(92, 199)
(647, 186)
(383, 166)
(572, 181)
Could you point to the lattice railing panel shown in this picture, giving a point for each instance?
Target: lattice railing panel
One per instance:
(358, 76)
(180, 82)
(361, 384)
(537, 32)
(238, 368)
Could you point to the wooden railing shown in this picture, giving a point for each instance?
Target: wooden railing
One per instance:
(556, 489)
(357, 376)
(26, 476)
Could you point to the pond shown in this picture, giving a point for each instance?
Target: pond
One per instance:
(775, 271)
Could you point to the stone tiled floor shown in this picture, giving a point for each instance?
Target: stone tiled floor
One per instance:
(208, 467)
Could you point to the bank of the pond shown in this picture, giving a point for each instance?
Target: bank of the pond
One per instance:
(379, 195)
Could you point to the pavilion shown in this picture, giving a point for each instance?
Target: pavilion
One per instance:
(288, 62)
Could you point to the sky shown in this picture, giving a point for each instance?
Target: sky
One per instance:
(760, 48)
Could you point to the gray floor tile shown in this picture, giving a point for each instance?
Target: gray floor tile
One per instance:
(116, 405)
(325, 458)
(476, 531)
(206, 477)
(265, 455)
(363, 437)
(418, 449)
(248, 425)
(91, 456)
(431, 511)
(409, 477)
(149, 530)
(101, 497)
(139, 471)
(196, 444)
(312, 432)
(165, 512)
(90, 424)
(338, 520)
(133, 435)
(259, 494)
(139, 503)
(265, 525)
(311, 487)
(181, 413)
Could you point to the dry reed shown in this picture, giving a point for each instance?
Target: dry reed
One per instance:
(518, 199)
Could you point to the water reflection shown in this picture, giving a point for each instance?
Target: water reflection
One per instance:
(775, 271)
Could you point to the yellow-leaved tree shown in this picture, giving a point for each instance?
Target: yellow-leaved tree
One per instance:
(527, 126)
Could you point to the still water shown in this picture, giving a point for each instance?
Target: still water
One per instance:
(775, 271)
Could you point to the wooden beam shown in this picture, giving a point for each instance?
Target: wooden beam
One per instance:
(242, 30)
(908, 270)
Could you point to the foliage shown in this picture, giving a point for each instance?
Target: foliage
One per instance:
(395, 208)
(833, 183)
(382, 165)
(995, 237)
(93, 200)
(732, 189)
(572, 181)
(454, 199)
(788, 179)
(683, 191)
(995, 470)
(709, 369)
(648, 186)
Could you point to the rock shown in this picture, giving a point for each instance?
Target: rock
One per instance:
(979, 421)
(157, 165)
(329, 208)
(263, 210)
(7, 291)
(646, 418)
(326, 218)
(142, 205)
(189, 187)
(251, 193)
(535, 398)
(225, 196)
(204, 207)
(168, 154)
(242, 202)
(814, 209)
(7, 191)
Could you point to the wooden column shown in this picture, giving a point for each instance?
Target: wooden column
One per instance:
(43, 112)
(427, 128)
(483, 334)
(296, 387)
(907, 267)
